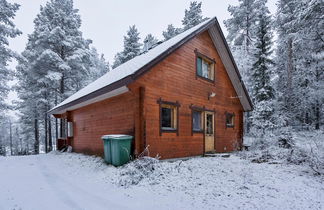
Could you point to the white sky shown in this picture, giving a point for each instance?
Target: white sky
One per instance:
(106, 21)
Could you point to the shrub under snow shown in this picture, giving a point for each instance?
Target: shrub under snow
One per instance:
(284, 146)
(137, 170)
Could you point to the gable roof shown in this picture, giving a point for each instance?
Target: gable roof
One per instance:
(114, 82)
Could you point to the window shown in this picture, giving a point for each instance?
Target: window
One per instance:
(209, 124)
(197, 121)
(169, 116)
(70, 129)
(205, 67)
(230, 120)
(63, 128)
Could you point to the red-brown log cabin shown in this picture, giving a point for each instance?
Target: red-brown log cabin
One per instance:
(185, 97)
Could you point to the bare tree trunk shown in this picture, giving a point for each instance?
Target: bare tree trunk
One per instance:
(2, 147)
(36, 133)
(45, 130)
(50, 143)
(62, 92)
(56, 123)
(317, 105)
(21, 150)
(10, 136)
(289, 76)
(317, 115)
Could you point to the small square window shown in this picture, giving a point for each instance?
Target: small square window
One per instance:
(168, 117)
(230, 120)
(205, 68)
(197, 121)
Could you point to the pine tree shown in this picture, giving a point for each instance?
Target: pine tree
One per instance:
(171, 32)
(314, 16)
(132, 47)
(56, 63)
(241, 36)
(8, 30)
(309, 74)
(286, 55)
(242, 23)
(193, 16)
(149, 42)
(262, 90)
(99, 66)
(261, 72)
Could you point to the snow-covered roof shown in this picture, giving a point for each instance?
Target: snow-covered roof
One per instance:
(125, 70)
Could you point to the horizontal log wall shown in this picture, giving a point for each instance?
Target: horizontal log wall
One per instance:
(174, 79)
(137, 112)
(111, 116)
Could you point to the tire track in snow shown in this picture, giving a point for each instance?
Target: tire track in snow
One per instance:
(52, 180)
(55, 181)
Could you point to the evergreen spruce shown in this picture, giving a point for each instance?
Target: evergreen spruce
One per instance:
(242, 23)
(241, 36)
(132, 47)
(262, 90)
(285, 55)
(56, 62)
(170, 32)
(193, 16)
(310, 63)
(149, 42)
(261, 72)
(7, 30)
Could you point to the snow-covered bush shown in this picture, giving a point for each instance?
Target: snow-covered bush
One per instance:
(137, 170)
(282, 145)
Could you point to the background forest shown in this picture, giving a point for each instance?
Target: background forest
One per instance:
(280, 57)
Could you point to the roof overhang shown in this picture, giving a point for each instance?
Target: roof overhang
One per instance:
(110, 91)
(231, 68)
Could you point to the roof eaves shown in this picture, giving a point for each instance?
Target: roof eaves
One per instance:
(235, 66)
(106, 89)
(138, 73)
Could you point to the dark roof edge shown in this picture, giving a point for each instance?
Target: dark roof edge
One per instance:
(135, 75)
(127, 80)
(106, 89)
(155, 61)
(235, 66)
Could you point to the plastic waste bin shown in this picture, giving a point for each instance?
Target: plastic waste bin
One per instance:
(117, 149)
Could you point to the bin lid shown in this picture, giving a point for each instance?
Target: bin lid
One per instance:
(116, 136)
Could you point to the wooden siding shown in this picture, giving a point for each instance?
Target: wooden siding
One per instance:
(112, 116)
(174, 79)
(137, 112)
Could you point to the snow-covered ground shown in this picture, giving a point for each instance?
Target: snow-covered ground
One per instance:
(74, 181)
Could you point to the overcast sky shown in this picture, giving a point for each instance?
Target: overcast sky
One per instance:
(106, 21)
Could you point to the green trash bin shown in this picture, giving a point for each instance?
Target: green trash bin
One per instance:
(117, 149)
(107, 148)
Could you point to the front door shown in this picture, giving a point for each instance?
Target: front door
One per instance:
(209, 132)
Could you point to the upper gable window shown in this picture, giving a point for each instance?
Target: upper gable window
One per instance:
(205, 67)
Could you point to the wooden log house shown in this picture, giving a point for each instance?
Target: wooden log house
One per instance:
(185, 97)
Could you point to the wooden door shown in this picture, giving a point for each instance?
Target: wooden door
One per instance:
(209, 132)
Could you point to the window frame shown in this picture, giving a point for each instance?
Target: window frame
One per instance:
(63, 131)
(201, 121)
(210, 61)
(176, 106)
(202, 110)
(232, 115)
